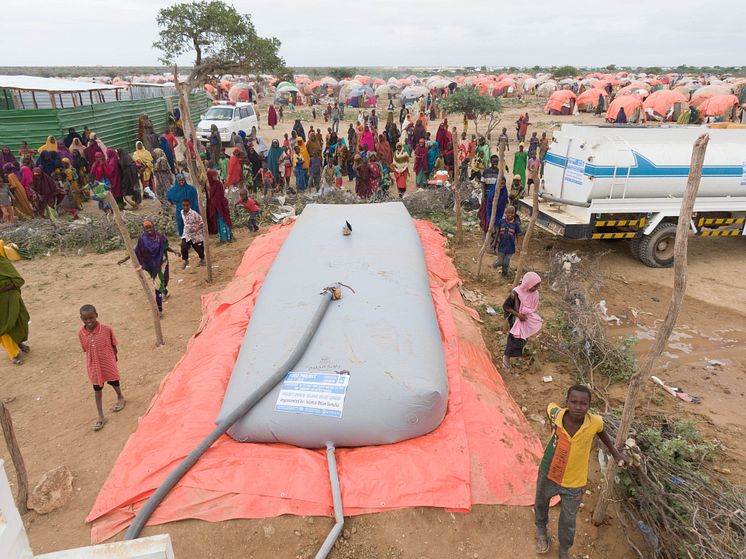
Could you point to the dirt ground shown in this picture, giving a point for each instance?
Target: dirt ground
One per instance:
(53, 409)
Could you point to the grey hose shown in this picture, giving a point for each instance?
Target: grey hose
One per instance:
(155, 499)
(545, 196)
(339, 515)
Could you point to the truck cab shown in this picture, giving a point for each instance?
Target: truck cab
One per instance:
(627, 182)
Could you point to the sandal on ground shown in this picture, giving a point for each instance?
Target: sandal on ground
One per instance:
(543, 543)
(119, 406)
(99, 424)
(24, 347)
(506, 364)
(17, 360)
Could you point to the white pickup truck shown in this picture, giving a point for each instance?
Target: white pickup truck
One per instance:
(620, 182)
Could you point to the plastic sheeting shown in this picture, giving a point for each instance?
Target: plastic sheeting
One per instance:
(484, 452)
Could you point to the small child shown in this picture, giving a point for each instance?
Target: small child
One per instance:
(564, 468)
(338, 181)
(100, 347)
(250, 205)
(98, 193)
(267, 178)
(507, 231)
(300, 172)
(520, 311)
(68, 201)
(314, 172)
(6, 201)
(193, 235)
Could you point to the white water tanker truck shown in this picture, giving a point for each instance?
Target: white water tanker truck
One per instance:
(619, 182)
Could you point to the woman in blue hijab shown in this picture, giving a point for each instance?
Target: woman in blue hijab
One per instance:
(273, 160)
(166, 147)
(179, 192)
(432, 156)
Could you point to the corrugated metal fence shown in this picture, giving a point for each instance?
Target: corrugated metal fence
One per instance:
(114, 123)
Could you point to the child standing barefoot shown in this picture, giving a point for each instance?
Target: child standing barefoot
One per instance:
(100, 346)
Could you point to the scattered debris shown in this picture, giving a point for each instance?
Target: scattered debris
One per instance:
(54, 490)
(547, 378)
(676, 392)
(490, 311)
(474, 297)
(605, 313)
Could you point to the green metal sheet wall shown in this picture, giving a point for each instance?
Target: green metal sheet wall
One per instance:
(114, 123)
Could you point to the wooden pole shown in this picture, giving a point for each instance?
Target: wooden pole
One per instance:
(661, 338)
(493, 211)
(191, 132)
(457, 188)
(147, 285)
(15, 455)
(529, 230)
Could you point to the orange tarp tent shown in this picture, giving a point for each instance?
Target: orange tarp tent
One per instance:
(709, 91)
(484, 451)
(661, 104)
(632, 108)
(719, 106)
(588, 100)
(560, 101)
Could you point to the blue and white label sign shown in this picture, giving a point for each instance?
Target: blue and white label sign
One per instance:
(313, 393)
(575, 171)
(743, 174)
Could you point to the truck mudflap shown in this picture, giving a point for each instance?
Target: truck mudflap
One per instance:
(555, 226)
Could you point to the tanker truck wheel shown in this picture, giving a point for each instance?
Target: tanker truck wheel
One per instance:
(634, 246)
(656, 250)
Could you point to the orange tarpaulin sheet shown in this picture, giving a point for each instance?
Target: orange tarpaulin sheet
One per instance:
(484, 452)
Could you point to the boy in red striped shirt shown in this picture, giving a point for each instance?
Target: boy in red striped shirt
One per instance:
(100, 346)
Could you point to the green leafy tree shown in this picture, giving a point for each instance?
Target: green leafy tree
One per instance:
(223, 40)
(565, 72)
(468, 101)
(339, 73)
(655, 70)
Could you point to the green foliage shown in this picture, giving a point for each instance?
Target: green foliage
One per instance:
(565, 72)
(467, 99)
(224, 41)
(340, 72)
(655, 70)
(611, 68)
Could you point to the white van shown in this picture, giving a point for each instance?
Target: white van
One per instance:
(229, 118)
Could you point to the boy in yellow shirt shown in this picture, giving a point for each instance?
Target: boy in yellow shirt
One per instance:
(564, 469)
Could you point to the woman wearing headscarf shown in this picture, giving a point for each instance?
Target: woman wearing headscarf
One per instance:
(114, 176)
(448, 158)
(273, 160)
(367, 141)
(419, 133)
(21, 201)
(144, 160)
(98, 169)
(520, 310)
(383, 150)
(344, 159)
(152, 253)
(14, 317)
(50, 145)
(130, 178)
(91, 150)
(71, 176)
(253, 159)
(168, 152)
(72, 135)
(179, 192)
(421, 163)
(301, 145)
(48, 194)
(362, 179)
(621, 117)
(218, 209)
(235, 169)
(162, 174)
(313, 145)
(272, 117)
(6, 156)
(432, 156)
(48, 161)
(298, 129)
(441, 136)
(27, 174)
(63, 152)
(400, 167)
(520, 159)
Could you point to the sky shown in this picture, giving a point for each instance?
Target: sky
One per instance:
(402, 32)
